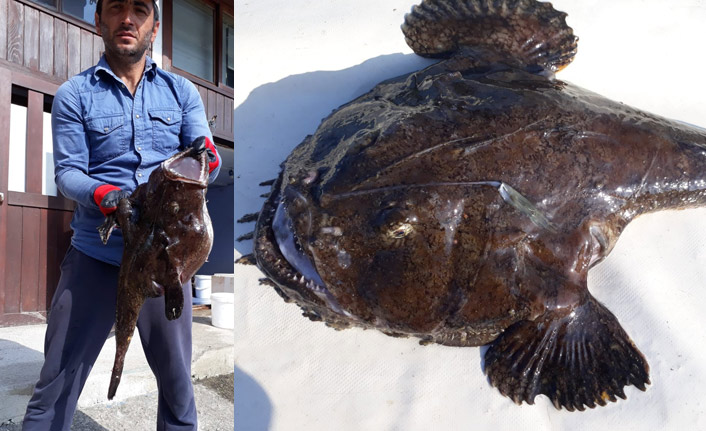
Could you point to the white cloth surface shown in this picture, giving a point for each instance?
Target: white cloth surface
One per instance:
(296, 60)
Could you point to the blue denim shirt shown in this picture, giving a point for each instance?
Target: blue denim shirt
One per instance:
(104, 135)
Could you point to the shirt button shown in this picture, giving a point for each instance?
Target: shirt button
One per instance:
(169, 119)
(105, 129)
(139, 175)
(137, 116)
(139, 148)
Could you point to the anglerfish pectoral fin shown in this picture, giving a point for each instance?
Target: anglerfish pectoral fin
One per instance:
(106, 228)
(125, 217)
(578, 359)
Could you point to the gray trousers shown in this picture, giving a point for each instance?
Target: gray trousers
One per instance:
(81, 316)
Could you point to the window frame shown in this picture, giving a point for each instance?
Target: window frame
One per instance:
(57, 13)
(220, 7)
(221, 64)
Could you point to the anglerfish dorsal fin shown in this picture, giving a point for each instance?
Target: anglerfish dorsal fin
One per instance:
(577, 359)
(530, 32)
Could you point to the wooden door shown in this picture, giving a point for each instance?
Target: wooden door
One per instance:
(34, 227)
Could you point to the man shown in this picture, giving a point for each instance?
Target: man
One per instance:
(112, 125)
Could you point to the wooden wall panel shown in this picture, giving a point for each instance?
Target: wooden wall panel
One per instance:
(203, 92)
(43, 258)
(15, 31)
(33, 148)
(61, 50)
(97, 48)
(13, 259)
(220, 108)
(31, 38)
(58, 235)
(229, 118)
(86, 49)
(61, 239)
(66, 232)
(40, 201)
(220, 105)
(64, 241)
(46, 45)
(30, 251)
(74, 47)
(211, 105)
(3, 28)
(37, 242)
(5, 91)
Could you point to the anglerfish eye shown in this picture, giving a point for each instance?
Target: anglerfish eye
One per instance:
(401, 230)
(396, 223)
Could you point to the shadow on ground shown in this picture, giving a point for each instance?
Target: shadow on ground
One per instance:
(253, 408)
(221, 385)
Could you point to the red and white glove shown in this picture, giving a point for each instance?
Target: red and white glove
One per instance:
(107, 198)
(213, 159)
(205, 143)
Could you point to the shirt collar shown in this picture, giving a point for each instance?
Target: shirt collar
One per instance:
(104, 67)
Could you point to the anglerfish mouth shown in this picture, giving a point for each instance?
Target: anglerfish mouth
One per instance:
(289, 246)
(283, 256)
(188, 166)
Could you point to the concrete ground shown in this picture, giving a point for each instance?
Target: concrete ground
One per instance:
(214, 403)
(135, 404)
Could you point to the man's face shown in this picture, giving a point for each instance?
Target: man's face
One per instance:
(127, 28)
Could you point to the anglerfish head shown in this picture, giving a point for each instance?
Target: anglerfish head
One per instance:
(388, 254)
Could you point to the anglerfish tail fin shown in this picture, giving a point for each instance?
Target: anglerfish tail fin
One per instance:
(532, 33)
(125, 322)
(579, 359)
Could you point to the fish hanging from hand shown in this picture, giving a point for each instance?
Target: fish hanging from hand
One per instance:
(167, 234)
(465, 203)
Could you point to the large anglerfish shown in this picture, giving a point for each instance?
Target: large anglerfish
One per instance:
(465, 203)
(167, 235)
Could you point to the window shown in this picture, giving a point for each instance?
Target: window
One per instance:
(202, 35)
(82, 9)
(193, 38)
(19, 119)
(227, 75)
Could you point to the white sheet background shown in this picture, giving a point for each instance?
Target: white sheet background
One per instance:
(299, 59)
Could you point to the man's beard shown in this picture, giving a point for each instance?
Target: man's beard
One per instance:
(131, 55)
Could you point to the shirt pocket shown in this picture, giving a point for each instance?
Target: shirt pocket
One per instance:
(166, 127)
(105, 138)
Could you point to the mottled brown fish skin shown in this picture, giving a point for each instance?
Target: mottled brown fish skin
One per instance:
(168, 235)
(420, 147)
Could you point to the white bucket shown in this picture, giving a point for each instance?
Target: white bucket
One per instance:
(222, 310)
(223, 283)
(202, 286)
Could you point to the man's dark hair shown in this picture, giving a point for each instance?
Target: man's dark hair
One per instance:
(99, 8)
